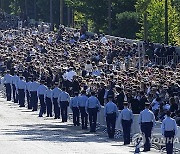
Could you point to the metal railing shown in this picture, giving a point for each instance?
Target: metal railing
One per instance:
(173, 59)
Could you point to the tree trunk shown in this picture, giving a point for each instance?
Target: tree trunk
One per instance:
(51, 14)
(109, 17)
(61, 12)
(35, 10)
(166, 22)
(26, 9)
(145, 23)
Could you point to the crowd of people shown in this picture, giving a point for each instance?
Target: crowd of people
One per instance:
(76, 62)
(70, 68)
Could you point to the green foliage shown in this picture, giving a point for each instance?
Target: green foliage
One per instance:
(156, 21)
(125, 21)
(128, 24)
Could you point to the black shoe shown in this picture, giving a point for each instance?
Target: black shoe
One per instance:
(22, 106)
(146, 150)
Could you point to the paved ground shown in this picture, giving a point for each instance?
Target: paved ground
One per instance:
(23, 132)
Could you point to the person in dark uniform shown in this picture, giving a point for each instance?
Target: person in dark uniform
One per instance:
(7, 82)
(101, 93)
(142, 101)
(54, 97)
(28, 92)
(93, 107)
(111, 114)
(169, 130)
(126, 118)
(120, 97)
(75, 108)
(82, 103)
(63, 101)
(41, 94)
(21, 86)
(147, 122)
(33, 91)
(48, 101)
(15, 80)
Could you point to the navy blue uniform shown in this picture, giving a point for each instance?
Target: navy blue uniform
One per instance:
(75, 108)
(147, 121)
(111, 113)
(126, 117)
(92, 107)
(84, 116)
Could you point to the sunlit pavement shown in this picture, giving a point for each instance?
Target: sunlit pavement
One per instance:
(23, 132)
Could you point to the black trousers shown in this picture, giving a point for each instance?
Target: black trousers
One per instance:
(75, 116)
(56, 108)
(126, 124)
(42, 105)
(21, 97)
(146, 129)
(111, 122)
(8, 91)
(49, 107)
(169, 141)
(92, 118)
(28, 99)
(64, 105)
(84, 117)
(34, 100)
(15, 95)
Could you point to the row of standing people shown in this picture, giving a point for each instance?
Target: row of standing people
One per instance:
(87, 107)
(58, 98)
(146, 122)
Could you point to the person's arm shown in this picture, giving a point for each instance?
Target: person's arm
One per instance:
(59, 98)
(162, 128)
(175, 127)
(70, 105)
(154, 120)
(140, 118)
(132, 117)
(68, 97)
(52, 96)
(105, 111)
(99, 105)
(87, 104)
(117, 112)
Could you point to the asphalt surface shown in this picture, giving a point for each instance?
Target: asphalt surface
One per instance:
(23, 132)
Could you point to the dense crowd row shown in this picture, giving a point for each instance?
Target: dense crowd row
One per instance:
(107, 67)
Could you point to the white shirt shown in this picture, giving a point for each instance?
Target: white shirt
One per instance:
(88, 67)
(169, 124)
(69, 75)
(104, 40)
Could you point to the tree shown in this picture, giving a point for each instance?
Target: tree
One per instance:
(141, 7)
(128, 25)
(156, 21)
